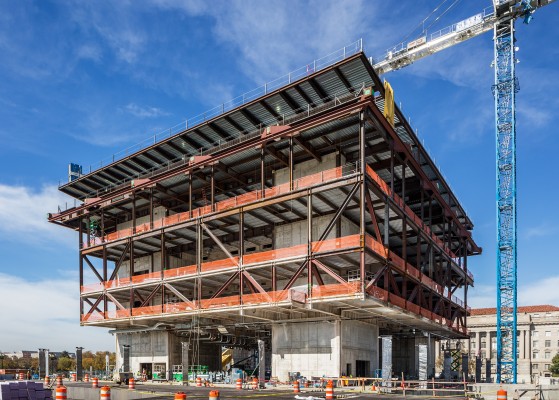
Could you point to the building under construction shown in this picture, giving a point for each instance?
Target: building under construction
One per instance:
(306, 219)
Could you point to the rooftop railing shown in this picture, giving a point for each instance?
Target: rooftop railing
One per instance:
(308, 69)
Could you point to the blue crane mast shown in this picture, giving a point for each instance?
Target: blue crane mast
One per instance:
(501, 19)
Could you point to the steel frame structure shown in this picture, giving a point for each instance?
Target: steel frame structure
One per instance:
(504, 90)
(402, 264)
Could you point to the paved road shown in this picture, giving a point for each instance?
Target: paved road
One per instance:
(165, 391)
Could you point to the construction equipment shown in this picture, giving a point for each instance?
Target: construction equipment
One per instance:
(501, 18)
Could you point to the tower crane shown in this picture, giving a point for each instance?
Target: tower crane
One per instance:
(500, 18)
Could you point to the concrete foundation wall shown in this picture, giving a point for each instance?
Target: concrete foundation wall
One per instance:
(310, 348)
(146, 347)
(359, 342)
(322, 348)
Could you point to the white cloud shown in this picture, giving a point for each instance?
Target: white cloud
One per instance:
(89, 52)
(23, 213)
(46, 315)
(269, 38)
(543, 291)
(542, 230)
(482, 296)
(144, 111)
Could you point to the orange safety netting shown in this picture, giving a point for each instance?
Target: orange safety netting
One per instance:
(218, 302)
(409, 212)
(113, 314)
(181, 271)
(379, 293)
(279, 295)
(143, 227)
(383, 295)
(93, 317)
(178, 307)
(242, 199)
(344, 242)
(257, 298)
(336, 289)
(147, 310)
(414, 308)
(119, 282)
(277, 190)
(152, 276)
(405, 267)
(220, 264)
(397, 300)
(376, 247)
(93, 287)
(263, 256)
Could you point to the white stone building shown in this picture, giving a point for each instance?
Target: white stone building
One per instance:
(538, 339)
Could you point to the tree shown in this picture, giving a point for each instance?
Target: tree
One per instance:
(554, 368)
(66, 364)
(88, 360)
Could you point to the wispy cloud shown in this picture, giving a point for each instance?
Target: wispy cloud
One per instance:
(23, 214)
(144, 111)
(89, 52)
(47, 305)
(482, 296)
(542, 230)
(542, 291)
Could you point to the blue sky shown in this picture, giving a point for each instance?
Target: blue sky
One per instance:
(80, 81)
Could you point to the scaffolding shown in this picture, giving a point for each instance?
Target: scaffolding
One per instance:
(331, 211)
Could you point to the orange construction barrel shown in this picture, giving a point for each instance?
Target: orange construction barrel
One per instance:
(199, 382)
(214, 395)
(86, 378)
(131, 383)
(61, 393)
(330, 390)
(58, 380)
(180, 396)
(21, 376)
(296, 388)
(254, 383)
(239, 384)
(95, 383)
(105, 393)
(74, 377)
(501, 394)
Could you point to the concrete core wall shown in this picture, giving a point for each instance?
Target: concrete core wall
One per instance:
(164, 348)
(405, 356)
(145, 347)
(323, 348)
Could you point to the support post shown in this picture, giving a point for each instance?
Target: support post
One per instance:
(362, 200)
(212, 187)
(291, 163)
(261, 364)
(262, 170)
(190, 195)
(185, 362)
(309, 245)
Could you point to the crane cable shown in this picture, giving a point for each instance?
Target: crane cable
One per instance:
(444, 12)
(422, 23)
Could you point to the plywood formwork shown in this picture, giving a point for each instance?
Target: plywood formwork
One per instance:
(311, 206)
